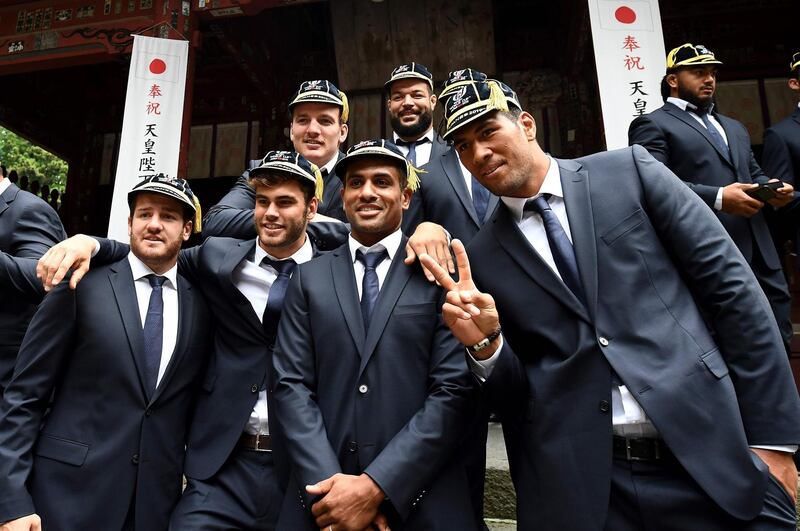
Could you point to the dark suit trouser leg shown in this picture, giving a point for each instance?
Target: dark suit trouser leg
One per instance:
(774, 285)
(244, 494)
(655, 496)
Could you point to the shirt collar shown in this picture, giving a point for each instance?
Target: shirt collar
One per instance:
(391, 243)
(331, 163)
(551, 185)
(300, 256)
(686, 106)
(140, 270)
(428, 135)
(4, 184)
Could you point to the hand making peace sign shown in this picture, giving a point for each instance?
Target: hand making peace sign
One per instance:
(470, 314)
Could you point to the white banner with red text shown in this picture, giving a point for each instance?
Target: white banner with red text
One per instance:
(151, 126)
(630, 59)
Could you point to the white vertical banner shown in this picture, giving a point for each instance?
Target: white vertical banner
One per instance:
(151, 126)
(631, 60)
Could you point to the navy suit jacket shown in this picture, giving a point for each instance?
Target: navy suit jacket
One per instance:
(656, 266)
(391, 401)
(443, 198)
(781, 158)
(233, 215)
(240, 359)
(79, 436)
(28, 228)
(675, 138)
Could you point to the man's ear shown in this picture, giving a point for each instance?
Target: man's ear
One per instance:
(527, 123)
(794, 84)
(672, 80)
(343, 133)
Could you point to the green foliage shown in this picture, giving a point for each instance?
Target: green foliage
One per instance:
(16, 153)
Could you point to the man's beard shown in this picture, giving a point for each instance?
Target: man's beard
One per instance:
(412, 131)
(685, 95)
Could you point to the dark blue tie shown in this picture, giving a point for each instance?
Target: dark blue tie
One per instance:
(412, 148)
(277, 292)
(560, 246)
(369, 285)
(714, 132)
(153, 333)
(480, 199)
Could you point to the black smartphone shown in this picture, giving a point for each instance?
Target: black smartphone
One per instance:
(765, 192)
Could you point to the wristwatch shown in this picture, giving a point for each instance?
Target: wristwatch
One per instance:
(485, 342)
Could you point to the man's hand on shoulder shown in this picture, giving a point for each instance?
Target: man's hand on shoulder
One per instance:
(31, 522)
(72, 254)
(735, 201)
(433, 240)
(781, 465)
(348, 502)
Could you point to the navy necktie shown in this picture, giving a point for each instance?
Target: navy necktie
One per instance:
(480, 199)
(153, 333)
(412, 148)
(713, 132)
(560, 246)
(277, 292)
(369, 285)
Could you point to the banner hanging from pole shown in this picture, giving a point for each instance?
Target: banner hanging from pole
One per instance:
(151, 126)
(630, 58)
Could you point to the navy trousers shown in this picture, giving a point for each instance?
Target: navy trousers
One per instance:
(244, 494)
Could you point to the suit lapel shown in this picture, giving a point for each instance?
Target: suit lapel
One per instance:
(453, 171)
(344, 284)
(438, 148)
(694, 124)
(184, 333)
(241, 252)
(796, 114)
(733, 145)
(121, 279)
(575, 184)
(8, 196)
(396, 279)
(508, 235)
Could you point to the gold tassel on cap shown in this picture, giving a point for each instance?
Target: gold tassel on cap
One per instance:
(412, 177)
(345, 107)
(198, 216)
(497, 100)
(318, 189)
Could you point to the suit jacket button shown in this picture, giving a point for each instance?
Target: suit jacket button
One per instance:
(148, 412)
(363, 389)
(254, 388)
(603, 341)
(352, 446)
(135, 459)
(604, 406)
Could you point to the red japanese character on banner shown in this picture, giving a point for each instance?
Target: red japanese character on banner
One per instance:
(632, 62)
(153, 107)
(155, 91)
(630, 43)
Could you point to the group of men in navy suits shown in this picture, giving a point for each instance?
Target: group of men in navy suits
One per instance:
(304, 374)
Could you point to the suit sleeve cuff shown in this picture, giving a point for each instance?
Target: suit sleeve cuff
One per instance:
(718, 200)
(96, 247)
(482, 369)
(789, 448)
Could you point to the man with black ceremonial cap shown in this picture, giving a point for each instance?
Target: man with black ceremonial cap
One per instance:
(94, 421)
(319, 112)
(711, 153)
(448, 194)
(236, 466)
(621, 338)
(372, 390)
(781, 159)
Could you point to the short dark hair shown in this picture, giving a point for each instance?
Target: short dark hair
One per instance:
(513, 113)
(665, 88)
(273, 179)
(3, 171)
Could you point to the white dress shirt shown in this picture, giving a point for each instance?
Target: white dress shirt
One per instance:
(690, 108)
(330, 164)
(628, 416)
(169, 294)
(423, 151)
(4, 184)
(390, 243)
(254, 282)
